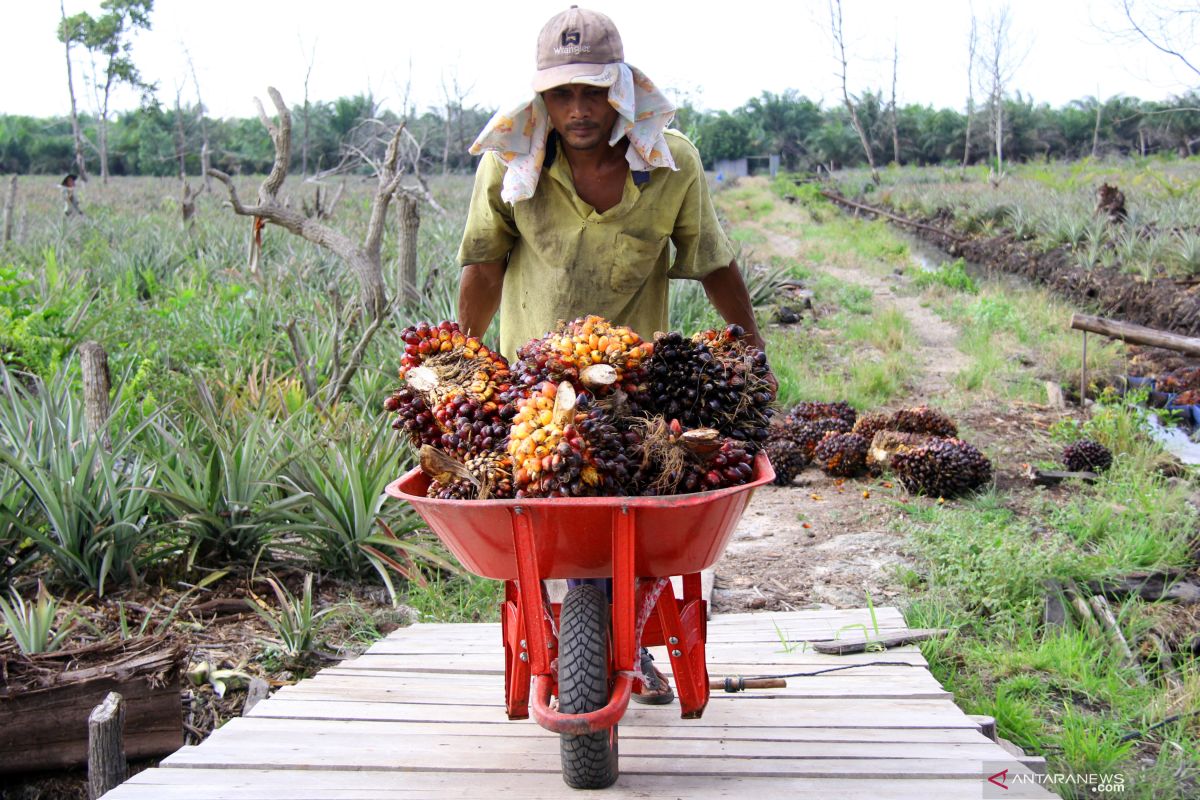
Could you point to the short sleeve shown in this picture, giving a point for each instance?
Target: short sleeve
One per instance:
(490, 231)
(701, 246)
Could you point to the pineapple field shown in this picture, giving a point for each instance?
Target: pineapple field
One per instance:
(231, 502)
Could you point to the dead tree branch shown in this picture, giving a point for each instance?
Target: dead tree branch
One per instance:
(364, 260)
(1163, 46)
(835, 24)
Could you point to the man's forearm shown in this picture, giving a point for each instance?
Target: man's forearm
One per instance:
(727, 292)
(479, 296)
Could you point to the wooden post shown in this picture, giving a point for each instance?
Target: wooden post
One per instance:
(1136, 334)
(93, 361)
(410, 222)
(1083, 374)
(106, 746)
(987, 725)
(9, 207)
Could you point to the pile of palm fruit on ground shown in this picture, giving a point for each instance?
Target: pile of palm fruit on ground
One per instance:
(920, 446)
(589, 409)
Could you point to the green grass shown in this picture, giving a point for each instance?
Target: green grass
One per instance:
(1062, 694)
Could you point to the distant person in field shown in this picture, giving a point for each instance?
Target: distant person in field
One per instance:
(70, 202)
(585, 203)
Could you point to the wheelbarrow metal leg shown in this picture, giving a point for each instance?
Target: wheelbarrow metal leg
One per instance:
(533, 614)
(624, 588)
(516, 669)
(683, 630)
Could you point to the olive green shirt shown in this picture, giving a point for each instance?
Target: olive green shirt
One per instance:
(566, 260)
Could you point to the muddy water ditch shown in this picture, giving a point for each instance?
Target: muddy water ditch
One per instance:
(1161, 303)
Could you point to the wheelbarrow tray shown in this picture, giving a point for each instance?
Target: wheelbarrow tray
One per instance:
(573, 537)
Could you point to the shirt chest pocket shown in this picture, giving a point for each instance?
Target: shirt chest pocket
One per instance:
(633, 261)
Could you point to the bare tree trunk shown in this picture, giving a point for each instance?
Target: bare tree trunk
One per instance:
(80, 163)
(180, 140)
(93, 363)
(102, 130)
(835, 21)
(307, 112)
(895, 126)
(972, 42)
(187, 207)
(1000, 63)
(205, 152)
(9, 207)
(410, 222)
(107, 768)
(1096, 130)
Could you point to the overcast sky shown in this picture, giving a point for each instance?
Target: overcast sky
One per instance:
(719, 59)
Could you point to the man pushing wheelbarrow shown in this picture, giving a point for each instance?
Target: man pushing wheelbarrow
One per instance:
(586, 204)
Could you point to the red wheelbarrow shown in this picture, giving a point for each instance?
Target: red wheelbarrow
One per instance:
(584, 652)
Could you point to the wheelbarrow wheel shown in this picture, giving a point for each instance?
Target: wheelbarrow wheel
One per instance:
(589, 761)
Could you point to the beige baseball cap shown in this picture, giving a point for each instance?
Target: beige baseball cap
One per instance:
(575, 44)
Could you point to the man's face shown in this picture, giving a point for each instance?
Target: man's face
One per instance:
(581, 114)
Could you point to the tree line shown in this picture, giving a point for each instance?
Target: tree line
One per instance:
(157, 140)
(807, 135)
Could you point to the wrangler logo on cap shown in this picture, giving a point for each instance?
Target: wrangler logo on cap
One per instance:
(571, 44)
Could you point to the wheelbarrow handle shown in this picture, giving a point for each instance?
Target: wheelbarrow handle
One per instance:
(737, 683)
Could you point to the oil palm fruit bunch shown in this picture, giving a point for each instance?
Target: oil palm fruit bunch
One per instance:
(1087, 455)
(787, 454)
(885, 444)
(455, 358)
(713, 380)
(454, 384)
(480, 477)
(560, 446)
(923, 419)
(942, 468)
(592, 353)
(414, 416)
(842, 455)
(674, 460)
(814, 411)
(809, 433)
(870, 424)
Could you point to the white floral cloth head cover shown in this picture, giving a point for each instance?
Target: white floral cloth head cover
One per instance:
(518, 136)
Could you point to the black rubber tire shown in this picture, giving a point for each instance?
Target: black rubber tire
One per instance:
(589, 761)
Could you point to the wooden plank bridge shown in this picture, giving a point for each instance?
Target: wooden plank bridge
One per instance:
(421, 714)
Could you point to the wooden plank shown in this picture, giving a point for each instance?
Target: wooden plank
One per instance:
(763, 621)
(465, 759)
(48, 728)
(859, 644)
(814, 712)
(849, 681)
(272, 728)
(333, 746)
(725, 661)
(718, 626)
(767, 638)
(387, 690)
(322, 784)
(485, 679)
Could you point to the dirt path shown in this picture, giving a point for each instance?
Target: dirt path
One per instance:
(938, 357)
(823, 542)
